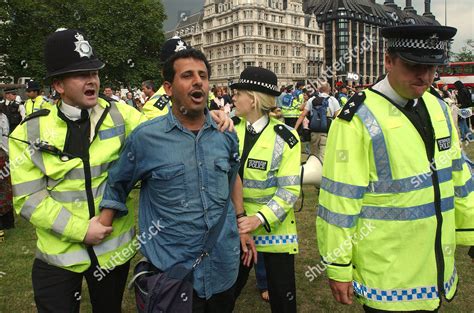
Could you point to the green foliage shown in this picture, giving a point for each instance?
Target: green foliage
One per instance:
(466, 54)
(126, 35)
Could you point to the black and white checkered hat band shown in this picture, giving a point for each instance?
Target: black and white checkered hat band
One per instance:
(426, 44)
(266, 85)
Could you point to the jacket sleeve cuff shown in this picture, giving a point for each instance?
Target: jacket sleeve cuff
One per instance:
(340, 273)
(76, 229)
(465, 238)
(121, 208)
(269, 216)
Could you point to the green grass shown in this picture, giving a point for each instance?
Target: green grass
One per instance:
(17, 253)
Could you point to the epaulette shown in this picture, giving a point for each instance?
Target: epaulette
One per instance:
(42, 112)
(286, 135)
(352, 105)
(435, 93)
(236, 120)
(161, 102)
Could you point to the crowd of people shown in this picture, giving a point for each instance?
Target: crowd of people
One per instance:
(219, 174)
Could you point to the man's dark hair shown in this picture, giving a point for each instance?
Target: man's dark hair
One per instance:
(149, 84)
(168, 67)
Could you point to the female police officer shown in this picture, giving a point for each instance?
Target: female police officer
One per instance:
(270, 168)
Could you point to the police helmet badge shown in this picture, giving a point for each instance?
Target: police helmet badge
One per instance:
(82, 46)
(180, 46)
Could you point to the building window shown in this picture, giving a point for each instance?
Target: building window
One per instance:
(260, 30)
(260, 64)
(247, 64)
(231, 51)
(283, 50)
(218, 53)
(282, 34)
(269, 66)
(268, 49)
(225, 69)
(283, 68)
(219, 70)
(275, 50)
(275, 68)
(248, 30)
(260, 48)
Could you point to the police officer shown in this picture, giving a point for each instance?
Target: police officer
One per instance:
(13, 109)
(60, 182)
(396, 195)
(270, 155)
(35, 100)
(291, 111)
(159, 104)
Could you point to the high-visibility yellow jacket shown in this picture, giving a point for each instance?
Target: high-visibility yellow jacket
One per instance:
(293, 111)
(37, 104)
(159, 104)
(56, 194)
(388, 218)
(271, 182)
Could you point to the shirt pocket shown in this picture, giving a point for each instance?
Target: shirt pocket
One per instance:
(169, 184)
(222, 169)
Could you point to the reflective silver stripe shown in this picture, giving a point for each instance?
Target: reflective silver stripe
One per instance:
(278, 148)
(76, 195)
(457, 164)
(33, 201)
(61, 221)
(342, 189)
(286, 196)
(337, 219)
(96, 171)
(444, 106)
(114, 243)
(65, 259)
(29, 187)
(379, 147)
(33, 130)
(275, 239)
(407, 213)
(117, 118)
(410, 183)
(277, 210)
(272, 182)
(464, 191)
(262, 200)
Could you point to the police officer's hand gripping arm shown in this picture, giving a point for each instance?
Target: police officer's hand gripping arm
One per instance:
(32, 199)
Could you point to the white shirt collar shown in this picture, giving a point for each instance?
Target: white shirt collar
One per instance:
(71, 112)
(259, 124)
(386, 89)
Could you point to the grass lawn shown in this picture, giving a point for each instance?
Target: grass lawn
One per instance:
(17, 253)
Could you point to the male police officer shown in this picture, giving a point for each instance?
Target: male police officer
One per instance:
(35, 100)
(160, 103)
(396, 195)
(60, 182)
(13, 109)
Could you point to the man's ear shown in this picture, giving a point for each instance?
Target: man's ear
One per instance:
(168, 88)
(58, 86)
(388, 62)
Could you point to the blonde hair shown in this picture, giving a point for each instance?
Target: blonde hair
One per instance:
(263, 102)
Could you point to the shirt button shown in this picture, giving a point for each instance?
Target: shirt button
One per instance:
(200, 163)
(203, 188)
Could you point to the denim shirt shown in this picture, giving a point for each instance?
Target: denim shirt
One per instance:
(184, 189)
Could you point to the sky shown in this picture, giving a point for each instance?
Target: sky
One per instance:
(460, 14)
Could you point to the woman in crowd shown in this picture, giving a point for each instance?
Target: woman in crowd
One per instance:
(270, 167)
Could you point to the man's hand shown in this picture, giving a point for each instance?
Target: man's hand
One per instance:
(96, 232)
(106, 217)
(248, 250)
(342, 291)
(222, 120)
(248, 224)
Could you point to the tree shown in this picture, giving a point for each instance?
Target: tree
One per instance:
(126, 35)
(466, 53)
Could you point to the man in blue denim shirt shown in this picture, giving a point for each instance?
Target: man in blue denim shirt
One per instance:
(184, 163)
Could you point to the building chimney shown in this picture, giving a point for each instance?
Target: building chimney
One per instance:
(428, 10)
(390, 3)
(409, 7)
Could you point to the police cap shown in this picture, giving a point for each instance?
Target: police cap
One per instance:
(32, 85)
(68, 51)
(422, 44)
(171, 46)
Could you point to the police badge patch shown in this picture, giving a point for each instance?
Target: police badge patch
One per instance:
(82, 46)
(444, 143)
(257, 164)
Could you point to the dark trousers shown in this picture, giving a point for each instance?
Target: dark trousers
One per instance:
(218, 303)
(59, 291)
(280, 269)
(290, 121)
(371, 310)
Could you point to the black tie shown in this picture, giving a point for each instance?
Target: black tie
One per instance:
(410, 104)
(84, 115)
(251, 130)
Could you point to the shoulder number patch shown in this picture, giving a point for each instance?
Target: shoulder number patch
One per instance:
(348, 111)
(286, 135)
(161, 102)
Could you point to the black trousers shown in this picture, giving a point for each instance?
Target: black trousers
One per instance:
(59, 291)
(219, 303)
(371, 310)
(280, 269)
(290, 121)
